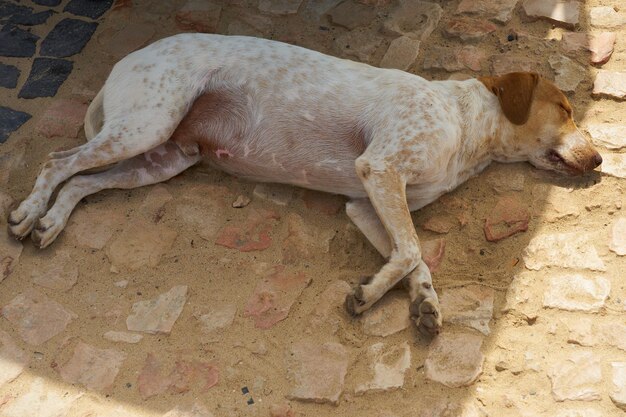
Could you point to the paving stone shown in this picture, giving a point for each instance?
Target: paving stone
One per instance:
(121, 42)
(89, 8)
(320, 7)
(325, 203)
(184, 376)
(274, 295)
(576, 377)
(432, 253)
(158, 315)
(565, 250)
(64, 118)
(200, 219)
(611, 84)
(58, 273)
(125, 337)
(618, 378)
(574, 292)
(218, 317)
(415, 19)
(557, 11)
(94, 368)
(606, 17)
(610, 135)
(599, 44)
(401, 54)
(37, 317)
(509, 62)
(331, 299)
(16, 42)
(388, 316)
(10, 121)
(45, 78)
(350, 15)
(454, 359)
(454, 59)
(612, 333)
(317, 371)
(140, 244)
(67, 38)
(10, 251)
(440, 223)
(8, 76)
(16, 14)
(303, 241)
(196, 410)
(507, 218)
(359, 44)
(470, 306)
(199, 16)
(42, 400)
(500, 11)
(569, 74)
(581, 332)
(278, 194)
(468, 29)
(13, 360)
(153, 206)
(91, 226)
(387, 365)
(253, 235)
(280, 7)
(50, 3)
(614, 164)
(618, 237)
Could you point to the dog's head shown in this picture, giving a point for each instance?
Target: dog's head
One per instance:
(542, 119)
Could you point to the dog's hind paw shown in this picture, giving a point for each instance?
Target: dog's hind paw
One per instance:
(427, 316)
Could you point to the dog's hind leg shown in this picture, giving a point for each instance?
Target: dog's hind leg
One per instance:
(156, 165)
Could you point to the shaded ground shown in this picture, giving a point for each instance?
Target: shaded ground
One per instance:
(247, 316)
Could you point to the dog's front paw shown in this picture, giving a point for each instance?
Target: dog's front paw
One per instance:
(45, 232)
(354, 302)
(427, 316)
(21, 221)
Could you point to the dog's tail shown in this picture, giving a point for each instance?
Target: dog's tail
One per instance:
(94, 119)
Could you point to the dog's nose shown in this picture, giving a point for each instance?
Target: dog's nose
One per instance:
(597, 160)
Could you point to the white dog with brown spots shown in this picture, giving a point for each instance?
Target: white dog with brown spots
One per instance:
(391, 141)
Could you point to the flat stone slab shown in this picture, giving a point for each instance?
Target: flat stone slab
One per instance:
(67, 38)
(200, 219)
(610, 135)
(576, 377)
(569, 74)
(618, 237)
(92, 226)
(470, 306)
(507, 218)
(575, 292)
(8, 76)
(41, 400)
(16, 42)
(88, 8)
(565, 250)
(614, 164)
(388, 316)
(273, 297)
(330, 300)
(280, 7)
(45, 78)
(499, 11)
(92, 367)
(606, 17)
(401, 54)
(218, 317)
(303, 240)
(611, 84)
(13, 359)
(558, 11)
(159, 314)
(10, 121)
(349, 14)
(16, 14)
(618, 390)
(454, 359)
(468, 29)
(387, 365)
(37, 317)
(600, 45)
(317, 371)
(58, 273)
(415, 19)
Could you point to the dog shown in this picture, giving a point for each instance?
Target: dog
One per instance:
(266, 111)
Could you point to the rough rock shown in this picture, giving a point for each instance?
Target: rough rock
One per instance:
(610, 135)
(468, 29)
(252, 235)
(42, 400)
(303, 241)
(618, 378)
(280, 7)
(606, 17)
(37, 317)
(125, 337)
(317, 371)
(273, 296)
(218, 317)
(387, 366)
(415, 19)
(58, 273)
(140, 244)
(359, 44)
(241, 201)
(507, 218)
(454, 359)
(558, 11)
(10, 251)
(92, 226)
(388, 316)
(565, 250)
(13, 360)
(401, 54)
(329, 300)
(618, 237)
(433, 252)
(574, 292)
(158, 315)
(92, 367)
(350, 15)
(611, 84)
(568, 73)
(499, 11)
(576, 377)
(614, 164)
(470, 306)
(64, 117)
(199, 16)
(599, 44)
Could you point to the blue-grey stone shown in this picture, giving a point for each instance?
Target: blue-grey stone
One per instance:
(17, 42)
(10, 121)
(8, 76)
(45, 78)
(89, 8)
(17, 14)
(50, 3)
(67, 38)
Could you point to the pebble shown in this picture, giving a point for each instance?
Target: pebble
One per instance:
(10, 251)
(58, 273)
(241, 201)
(609, 135)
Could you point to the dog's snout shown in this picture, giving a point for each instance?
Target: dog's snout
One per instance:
(597, 160)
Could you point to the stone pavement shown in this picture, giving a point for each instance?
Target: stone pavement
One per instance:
(210, 296)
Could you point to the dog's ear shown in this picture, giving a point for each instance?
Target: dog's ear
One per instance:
(515, 92)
